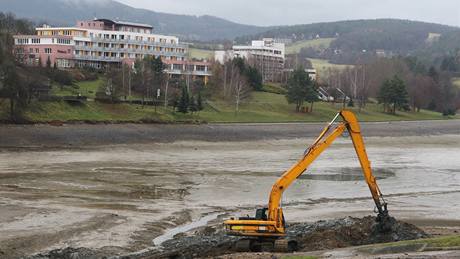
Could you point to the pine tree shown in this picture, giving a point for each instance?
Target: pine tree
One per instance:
(193, 107)
(400, 96)
(300, 88)
(199, 102)
(383, 95)
(184, 101)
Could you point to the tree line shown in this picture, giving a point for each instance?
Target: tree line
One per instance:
(398, 84)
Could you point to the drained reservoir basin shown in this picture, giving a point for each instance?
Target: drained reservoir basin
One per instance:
(121, 197)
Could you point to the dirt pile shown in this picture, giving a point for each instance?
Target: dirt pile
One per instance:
(211, 241)
(350, 232)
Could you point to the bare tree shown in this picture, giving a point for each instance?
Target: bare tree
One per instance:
(240, 88)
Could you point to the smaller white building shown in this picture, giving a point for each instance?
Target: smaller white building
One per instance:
(267, 55)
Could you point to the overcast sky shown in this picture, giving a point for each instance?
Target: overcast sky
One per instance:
(279, 12)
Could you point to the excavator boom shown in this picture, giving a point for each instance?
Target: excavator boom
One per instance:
(273, 225)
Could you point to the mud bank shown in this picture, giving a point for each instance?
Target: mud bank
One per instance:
(14, 136)
(211, 241)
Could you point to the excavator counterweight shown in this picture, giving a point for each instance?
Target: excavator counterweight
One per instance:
(268, 228)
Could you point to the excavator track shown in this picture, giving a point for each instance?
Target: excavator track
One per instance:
(281, 245)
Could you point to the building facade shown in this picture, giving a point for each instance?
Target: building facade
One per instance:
(267, 55)
(100, 42)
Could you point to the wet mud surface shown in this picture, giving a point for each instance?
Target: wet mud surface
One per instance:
(77, 135)
(116, 200)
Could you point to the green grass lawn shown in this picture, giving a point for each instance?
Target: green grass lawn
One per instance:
(259, 107)
(201, 53)
(95, 111)
(85, 88)
(322, 65)
(315, 43)
(269, 107)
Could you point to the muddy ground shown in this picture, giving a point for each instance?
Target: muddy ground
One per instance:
(77, 135)
(211, 241)
(120, 199)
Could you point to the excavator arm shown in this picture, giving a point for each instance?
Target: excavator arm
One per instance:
(273, 225)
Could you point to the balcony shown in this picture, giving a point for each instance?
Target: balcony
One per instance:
(98, 58)
(135, 51)
(186, 72)
(126, 41)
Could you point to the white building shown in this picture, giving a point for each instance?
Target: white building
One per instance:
(267, 55)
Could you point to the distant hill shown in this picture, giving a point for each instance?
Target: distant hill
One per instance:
(66, 12)
(352, 38)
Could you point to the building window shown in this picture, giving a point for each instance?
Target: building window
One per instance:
(48, 50)
(63, 41)
(37, 50)
(23, 41)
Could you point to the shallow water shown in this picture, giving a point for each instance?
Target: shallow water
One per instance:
(138, 191)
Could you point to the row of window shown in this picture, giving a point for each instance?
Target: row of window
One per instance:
(134, 29)
(129, 46)
(120, 55)
(38, 41)
(278, 52)
(64, 41)
(22, 41)
(128, 37)
(61, 33)
(189, 67)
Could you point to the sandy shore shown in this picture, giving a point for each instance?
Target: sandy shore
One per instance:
(106, 134)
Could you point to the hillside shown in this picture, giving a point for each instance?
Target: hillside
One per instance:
(258, 107)
(188, 27)
(364, 37)
(318, 44)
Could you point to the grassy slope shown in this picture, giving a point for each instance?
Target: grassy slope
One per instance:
(93, 111)
(316, 44)
(321, 65)
(268, 107)
(259, 107)
(85, 88)
(201, 53)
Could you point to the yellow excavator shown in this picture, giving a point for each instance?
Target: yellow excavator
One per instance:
(267, 230)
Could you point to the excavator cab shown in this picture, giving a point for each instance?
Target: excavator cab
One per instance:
(267, 228)
(261, 214)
